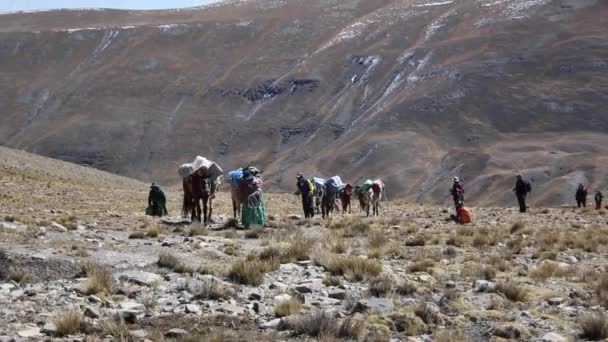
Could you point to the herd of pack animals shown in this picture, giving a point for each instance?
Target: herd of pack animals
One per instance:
(202, 179)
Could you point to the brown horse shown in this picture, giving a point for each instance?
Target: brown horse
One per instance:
(345, 195)
(197, 189)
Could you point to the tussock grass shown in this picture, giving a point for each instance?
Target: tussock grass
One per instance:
(153, 230)
(551, 269)
(335, 244)
(254, 233)
(148, 299)
(418, 240)
(326, 328)
(422, 266)
(167, 260)
(288, 307)
(137, 235)
(117, 329)
(332, 281)
(380, 286)
(594, 326)
(198, 230)
(517, 226)
(376, 252)
(428, 314)
(299, 249)
(208, 290)
(69, 322)
(251, 270)
(406, 288)
(20, 276)
(99, 278)
(601, 290)
(512, 291)
(377, 238)
(355, 268)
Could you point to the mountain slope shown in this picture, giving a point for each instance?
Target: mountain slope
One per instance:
(411, 91)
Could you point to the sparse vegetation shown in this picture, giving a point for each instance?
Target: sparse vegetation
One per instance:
(517, 226)
(69, 322)
(251, 270)
(99, 278)
(355, 268)
(208, 290)
(422, 266)
(594, 326)
(298, 250)
(415, 241)
(332, 281)
(198, 230)
(512, 291)
(20, 276)
(153, 230)
(117, 329)
(288, 307)
(380, 286)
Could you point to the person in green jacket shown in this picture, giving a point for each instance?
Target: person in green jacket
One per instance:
(157, 202)
(253, 212)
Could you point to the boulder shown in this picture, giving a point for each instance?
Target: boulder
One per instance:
(553, 337)
(192, 308)
(176, 333)
(555, 301)
(30, 331)
(141, 278)
(91, 312)
(49, 329)
(58, 228)
(337, 294)
(273, 324)
(381, 305)
(483, 286)
(510, 331)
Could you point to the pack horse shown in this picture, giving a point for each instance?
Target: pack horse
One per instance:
(201, 179)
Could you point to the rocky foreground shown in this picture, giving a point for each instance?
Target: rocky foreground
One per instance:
(80, 261)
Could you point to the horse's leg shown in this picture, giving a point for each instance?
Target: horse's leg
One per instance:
(198, 209)
(210, 209)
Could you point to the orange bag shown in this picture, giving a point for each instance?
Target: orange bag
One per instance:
(465, 215)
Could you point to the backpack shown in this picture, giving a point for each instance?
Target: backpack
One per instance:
(465, 215)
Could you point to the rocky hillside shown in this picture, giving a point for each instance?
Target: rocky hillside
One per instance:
(413, 91)
(80, 262)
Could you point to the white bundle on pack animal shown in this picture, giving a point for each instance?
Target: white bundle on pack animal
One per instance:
(209, 168)
(185, 170)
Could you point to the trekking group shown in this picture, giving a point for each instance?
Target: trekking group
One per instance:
(201, 180)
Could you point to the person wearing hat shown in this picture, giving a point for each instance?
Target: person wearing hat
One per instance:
(156, 202)
(457, 193)
(521, 189)
(306, 189)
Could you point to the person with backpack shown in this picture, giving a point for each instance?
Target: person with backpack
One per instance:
(581, 196)
(599, 197)
(457, 192)
(156, 202)
(521, 189)
(306, 190)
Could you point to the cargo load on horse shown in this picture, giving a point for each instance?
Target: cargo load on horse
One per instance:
(319, 184)
(332, 188)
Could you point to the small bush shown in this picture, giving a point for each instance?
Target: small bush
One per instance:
(380, 286)
(20, 276)
(594, 326)
(99, 278)
(336, 244)
(69, 323)
(512, 291)
(377, 239)
(375, 252)
(288, 307)
(356, 268)
(326, 328)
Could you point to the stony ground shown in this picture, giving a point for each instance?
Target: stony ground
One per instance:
(80, 261)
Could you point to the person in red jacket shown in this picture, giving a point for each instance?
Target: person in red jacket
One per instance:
(457, 193)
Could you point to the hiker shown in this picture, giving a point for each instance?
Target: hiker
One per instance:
(457, 193)
(306, 189)
(581, 196)
(521, 189)
(156, 202)
(599, 197)
(253, 212)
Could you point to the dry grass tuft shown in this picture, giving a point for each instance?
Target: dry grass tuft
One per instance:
(332, 281)
(428, 313)
(299, 249)
(20, 276)
(117, 329)
(517, 226)
(335, 244)
(99, 278)
(69, 323)
(326, 328)
(355, 268)
(198, 230)
(153, 230)
(380, 286)
(512, 291)
(594, 326)
(288, 307)
(422, 266)
(406, 288)
(148, 299)
(208, 290)
(601, 290)
(254, 233)
(167, 260)
(415, 241)
(137, 235)
(251, 270)
(550, 269)
(377, 239)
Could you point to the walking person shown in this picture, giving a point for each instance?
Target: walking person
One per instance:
(457, 192)
(521, 189)
(599, 197)
(306, 190)
(581, 196)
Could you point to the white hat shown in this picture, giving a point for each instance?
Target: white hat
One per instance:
(456, 179)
